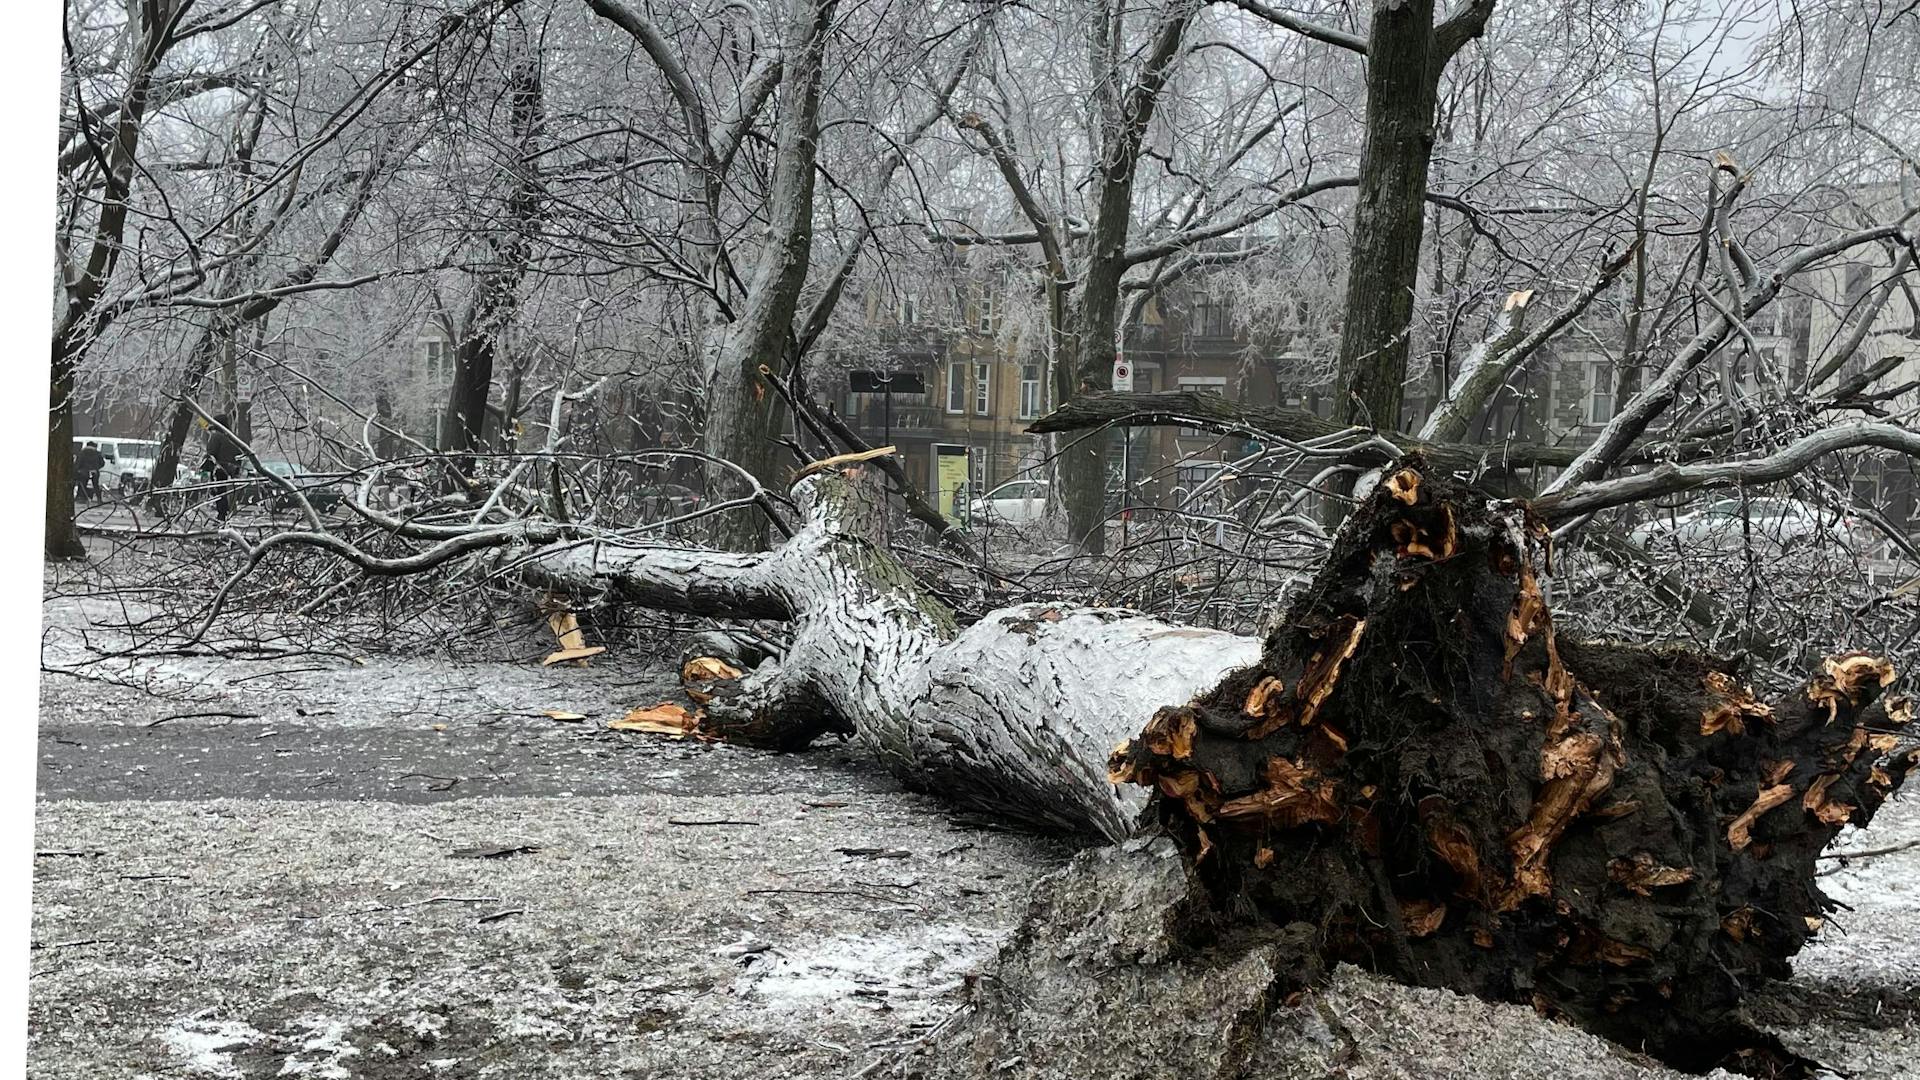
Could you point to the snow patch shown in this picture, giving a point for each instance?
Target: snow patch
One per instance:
(207, 1046)
(321, 1053)
(922, 964)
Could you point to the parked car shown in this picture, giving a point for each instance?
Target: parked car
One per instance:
(323, 495)
(130, 462)
(1016, 502)
(1725, 525)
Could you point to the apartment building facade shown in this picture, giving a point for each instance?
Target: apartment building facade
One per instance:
(983, 386)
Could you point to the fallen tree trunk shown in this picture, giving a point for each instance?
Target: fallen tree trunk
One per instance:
(1412, 774)
(1012, 716)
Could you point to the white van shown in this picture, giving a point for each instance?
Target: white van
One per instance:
(130, 462)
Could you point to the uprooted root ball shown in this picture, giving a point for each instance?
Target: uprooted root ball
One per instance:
(1423, 777)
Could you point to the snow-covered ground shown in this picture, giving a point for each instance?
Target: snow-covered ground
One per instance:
(274, 891)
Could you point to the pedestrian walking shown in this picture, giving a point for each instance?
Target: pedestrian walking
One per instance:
(86, 473)
(222, 463)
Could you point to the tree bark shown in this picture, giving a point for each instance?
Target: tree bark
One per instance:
(496, 290)
(1406, 55)
(1403, 76)
(62, 536)
(83, 282)
(1012, 716)
(742, 414)
(173, 444)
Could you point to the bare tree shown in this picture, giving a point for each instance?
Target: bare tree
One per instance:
(1415, 765)
(151, 29)
(479, 332)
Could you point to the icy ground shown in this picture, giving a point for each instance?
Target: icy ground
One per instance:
(276, 892)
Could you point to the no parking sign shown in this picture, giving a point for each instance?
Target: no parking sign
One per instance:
(1122, 373)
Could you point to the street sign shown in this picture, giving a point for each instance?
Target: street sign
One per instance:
(882, 382)
(1122, 373)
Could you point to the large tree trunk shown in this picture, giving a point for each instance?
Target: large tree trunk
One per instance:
(1406, 54)
(83, 281)
(173, 444)
(743, 415)
(1083, 466)
(1403, 76)
(1413, 774)
(1012, 716)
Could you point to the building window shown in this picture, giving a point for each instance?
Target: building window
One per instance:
(1599, 392)
(909, 310)
(439, 369)
(987, 315)
(982, 389)
(1210, 319)
(1029, 391)
(1206, 384)
(1859, 279)
(956, 387)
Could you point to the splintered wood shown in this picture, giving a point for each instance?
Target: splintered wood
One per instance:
(566, 628)
(699, 673)
(665, 718)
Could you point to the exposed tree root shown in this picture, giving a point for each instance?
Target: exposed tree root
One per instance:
(1421, 776)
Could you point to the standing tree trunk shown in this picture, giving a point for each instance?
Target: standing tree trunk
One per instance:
(1406, 55)
(173, 444)
(742, 414)
(1083, 320)
(496, 292)
(1083, 468)
(62, 537)
(79, 322)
